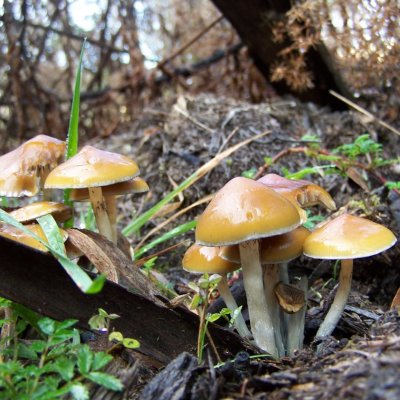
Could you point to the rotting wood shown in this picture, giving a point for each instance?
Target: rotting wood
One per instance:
(37, 281)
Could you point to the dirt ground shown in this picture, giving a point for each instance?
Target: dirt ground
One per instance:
(171, 141)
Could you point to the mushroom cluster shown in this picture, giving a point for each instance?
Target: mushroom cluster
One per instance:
(256, 224)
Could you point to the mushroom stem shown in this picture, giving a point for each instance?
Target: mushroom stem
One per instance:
(261, 319)
(112, 215)
(230, 302)
(295, 323)
(339, 302)
(284, 317)
(100, 212)
(284, 272)
(271, 278)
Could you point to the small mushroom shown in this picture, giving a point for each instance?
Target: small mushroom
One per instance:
(30, 212)
(242, 212)
(290, 298)
(345, 238)
(92, 169)
(201, 259)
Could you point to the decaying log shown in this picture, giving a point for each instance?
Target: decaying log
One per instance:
(253, 20)
(37, 281)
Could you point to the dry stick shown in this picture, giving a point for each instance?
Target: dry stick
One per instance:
(190, 42)
(364, 111)
(173, 217)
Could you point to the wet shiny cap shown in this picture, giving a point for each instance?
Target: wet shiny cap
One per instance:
(135, 185)
(243, 210)
(348, 237)
(206, 259)
(29, 213)
(23, 170)
(92, 167)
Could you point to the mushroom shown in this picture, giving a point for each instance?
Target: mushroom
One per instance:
(10, 232)
(201, 259)
(92, 168)
(301, 193)
(30, 212)
(345, 238)
(24, 169)
(242, 212)
(275, 254)
(135, 185)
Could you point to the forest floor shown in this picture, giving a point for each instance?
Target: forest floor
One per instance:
(169, 142)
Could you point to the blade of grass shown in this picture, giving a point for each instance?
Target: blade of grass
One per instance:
(179, 230)
(205, 199)
(52, 232)
(73, 136)
(135, 225)
(80, 278)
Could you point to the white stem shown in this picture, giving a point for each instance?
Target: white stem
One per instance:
(271, 278)
(112, 215)
(100, 212)
(230, 302)
(284, 277)
(284, 272)
(339, 302)
(261, 320)
(296, 321)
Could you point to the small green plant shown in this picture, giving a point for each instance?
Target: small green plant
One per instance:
(392, 185)
(55, 365)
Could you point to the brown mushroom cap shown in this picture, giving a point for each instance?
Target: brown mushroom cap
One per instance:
(275, 249)
(29, 213)
(348, 237)
(135, 185)
(290, 298)
(13, 233)
(243, 210)
(206, 259)
(23, 169)
(92, 167)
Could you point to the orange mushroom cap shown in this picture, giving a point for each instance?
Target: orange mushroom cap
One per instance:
(23, 169)
(29, 213)
(206, 259)
(243, 210)
(92, 167)
(135, 185)
(348, 237)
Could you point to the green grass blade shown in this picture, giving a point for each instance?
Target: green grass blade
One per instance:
(179, 230)
(81, 279)
(73, 136)
(52, 232)
(136, 224)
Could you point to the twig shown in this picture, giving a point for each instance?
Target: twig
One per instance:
(365, 112)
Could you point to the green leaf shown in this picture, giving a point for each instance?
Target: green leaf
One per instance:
(79, 392)
(85, 359)
(250, 173)
(100, 360)
(213, 317)
(26, 352)
(197, 299)
(179, 230)
(130, 343)
(65, 367)
(47, 326)
(118, 336)
(106, 380)
(52, 232)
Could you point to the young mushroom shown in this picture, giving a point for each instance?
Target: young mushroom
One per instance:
(201, 259)
(345, 238)
(92, 168)
(242, 212)
(30, 212)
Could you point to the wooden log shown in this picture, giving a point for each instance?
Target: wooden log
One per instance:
(38, 281)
